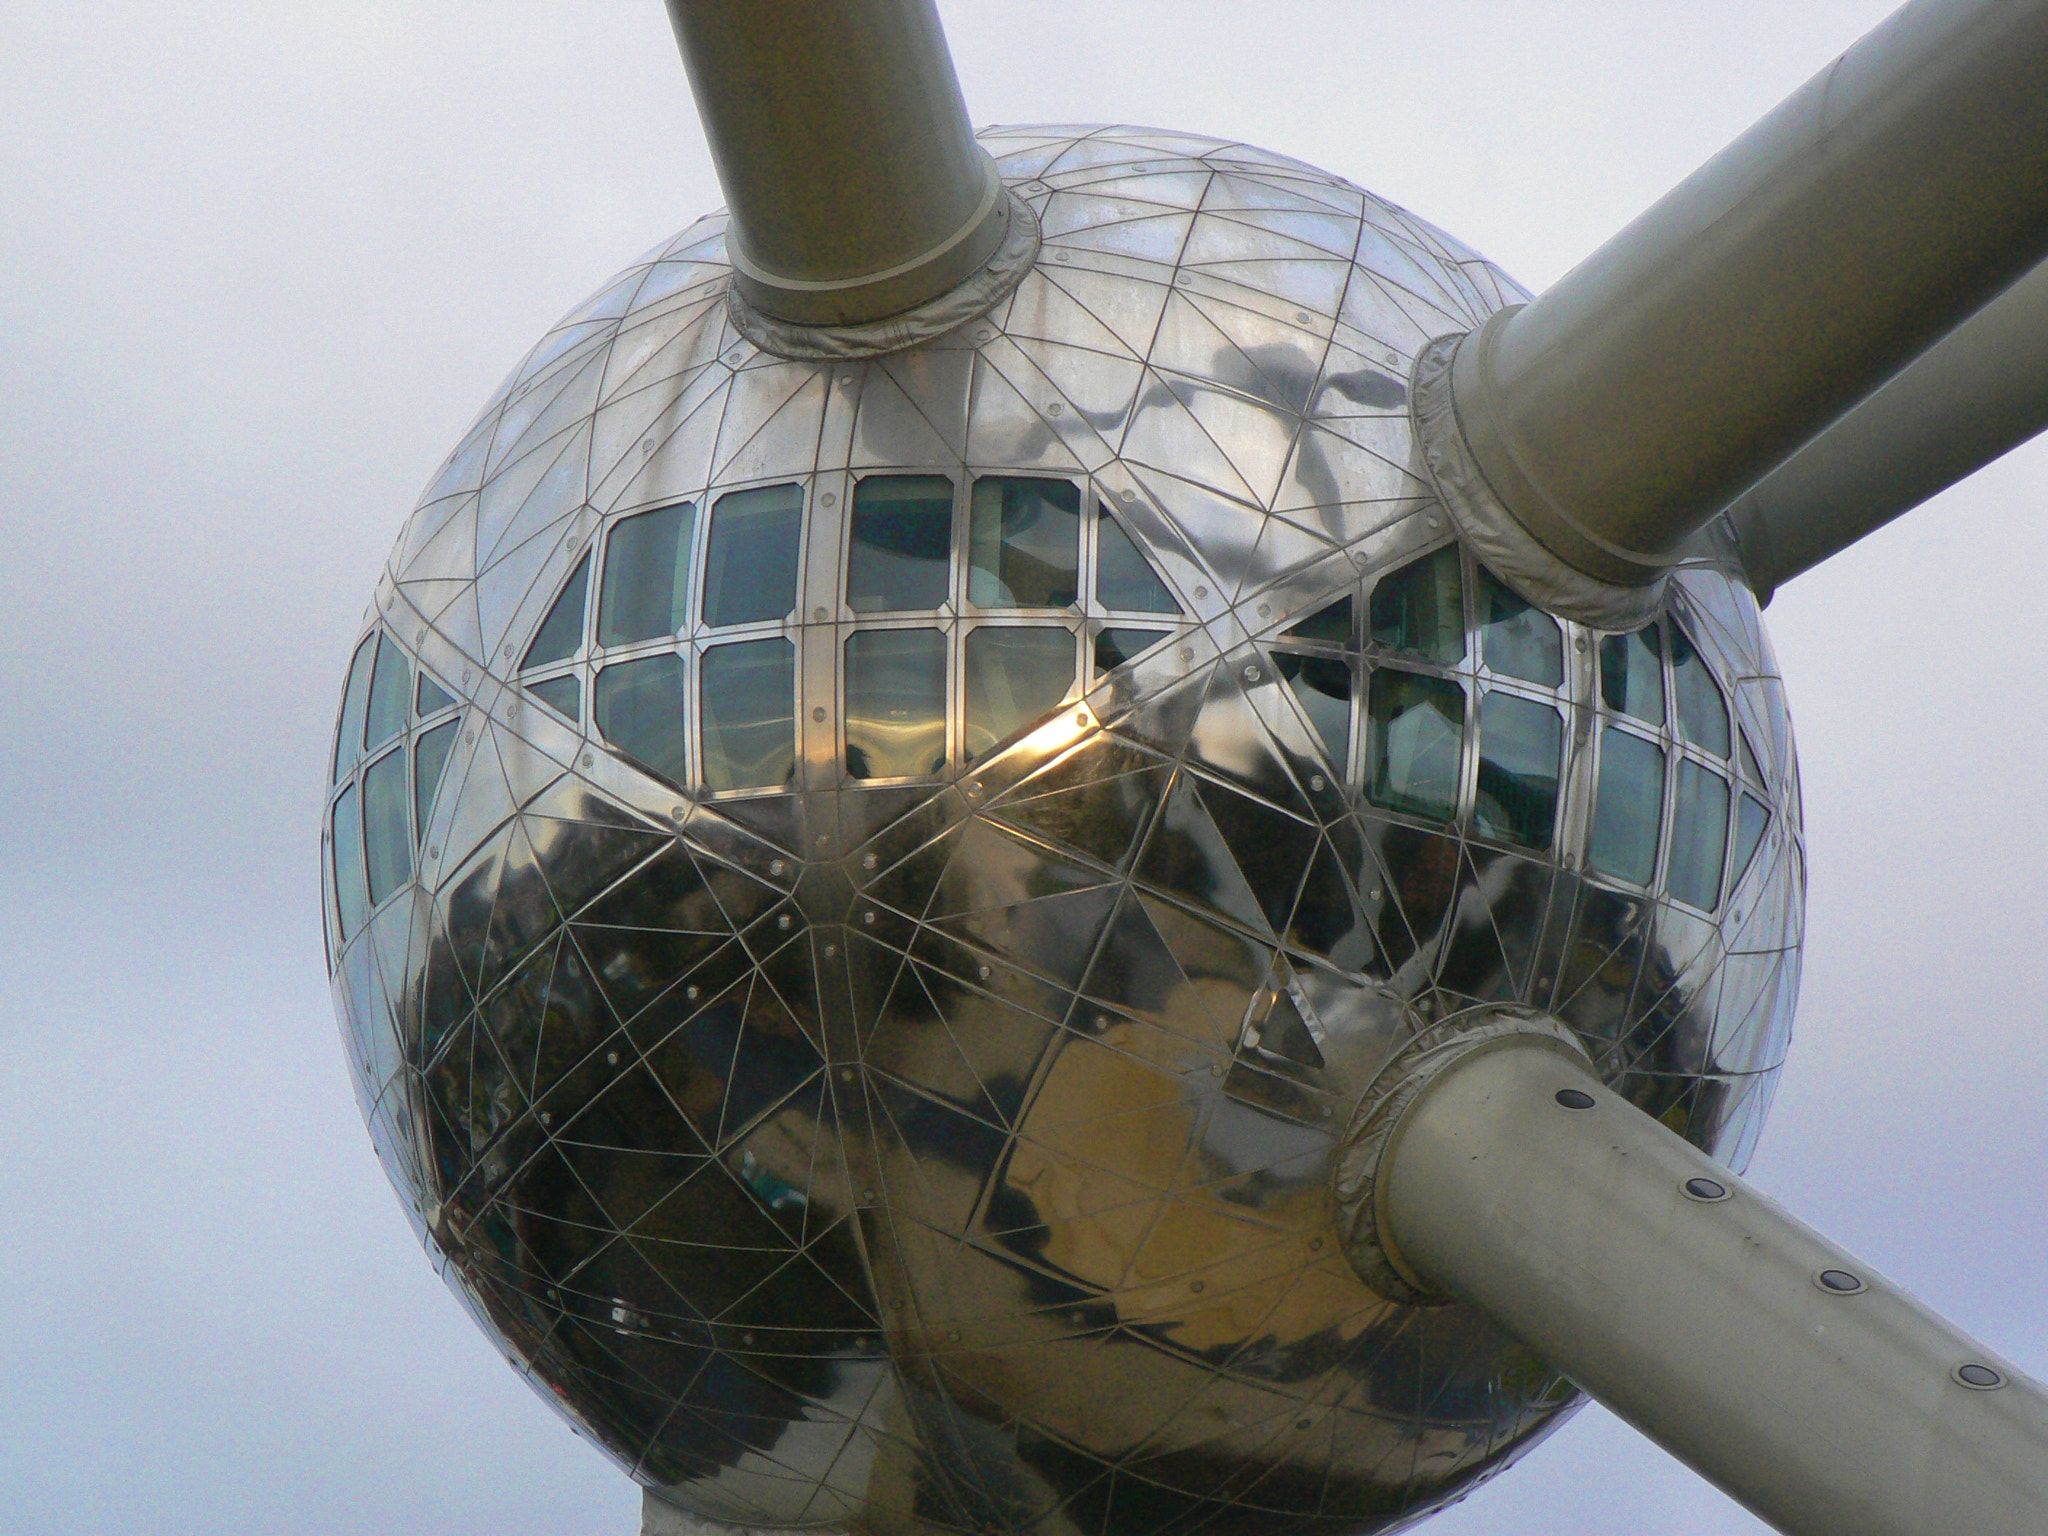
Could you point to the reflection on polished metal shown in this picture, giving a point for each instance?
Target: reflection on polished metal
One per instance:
(1750, 1346)
(934, 1128)
(1897, 192)
(929, 858)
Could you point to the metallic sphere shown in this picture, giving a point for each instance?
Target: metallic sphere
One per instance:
(863, 895)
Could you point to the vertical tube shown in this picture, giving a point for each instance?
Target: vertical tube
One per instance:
(1747, 1345)
(842, 143)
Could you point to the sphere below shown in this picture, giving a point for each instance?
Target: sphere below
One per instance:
(863, 896)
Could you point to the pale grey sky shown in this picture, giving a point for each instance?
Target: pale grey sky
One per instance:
(260, 263)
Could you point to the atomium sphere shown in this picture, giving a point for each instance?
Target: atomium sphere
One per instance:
(863, 895)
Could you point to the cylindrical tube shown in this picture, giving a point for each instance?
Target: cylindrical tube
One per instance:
(1883, 203)
(1979, 392)
(843, 146)
(1760, 1354)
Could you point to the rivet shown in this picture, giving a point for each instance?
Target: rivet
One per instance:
(846, 1074)
(1265, 610)
(829, 499)
(1375, 893)
(1579, 644)
(1704, 1190)
(1195, 1286)
(546, 1118)
(824, 840)
(588, 759)
(1839, 1282)
(647, 447)
(1573, 1098)
(831, 950)
(1981, 1378)
(868, 918)
(775, 866)
(690, 993)
(1187, 653)
(1251, 674)
(679, 813)
(746, 1338)
(465, 674)
(1062, 256)
(507, 651)
(734, 356)
(846, 381)
(820, 615)
(818, 714)
(782, 922)
(1435, 521)
(984, 334)
(611, 1058)
(420, 635)
(982, 972)
(1053, 409)
(433, 852)
(1125, 495)
(1081, 719)
(1301, 317)
(867, 861)
(1315, 781)
(1183, 278)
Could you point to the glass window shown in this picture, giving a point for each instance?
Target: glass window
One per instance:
(749, 721)
(1023, 543)
(350, 905)
(1331, 624)
(564, 695)
(1517, 640)
(1418, 724)
(390, 692)
(1322, 686)
(387, 846)
(1751, 817)
(900, 550)
(1699, 836)
(646, 589)
(560, 635)
(1420, 609)
(430, 760)
(1629, 809)
(750, 566)
(1520, 744)
(348, 736)
(1124, 579)
(1114, 647)
(433, 698)
(895, 703)
(1632, 675)
(639, 709)
(1702, 714)
(1014, 677)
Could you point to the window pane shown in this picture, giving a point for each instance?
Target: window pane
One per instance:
(1417, 727)
(1702, 716)
(560, 635)
(901, 547)
(1114, 647)
(1751, 817)
(433, 698)
(1517, 640)
(1420, 609)
(390, 693)
(348, 735)
(750, 566)
(1024, 543)
(1322, 685)
(646, 589)
(430, 758)
(1630, 808)
(564, 695)
(1332, 624)
(1014, 677)
(749, 724)
(1520, 744)
(639, 708)
(895, 703)
(1632, 675)
(1124, 579)
(1699, 836)
(350, 903)
(388, 847)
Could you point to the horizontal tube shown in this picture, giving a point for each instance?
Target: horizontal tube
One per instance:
(1757, 1352)
(1978, 393)
(843, 146)
(1891, 197)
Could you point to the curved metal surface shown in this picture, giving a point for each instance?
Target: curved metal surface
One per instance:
(952, 1149)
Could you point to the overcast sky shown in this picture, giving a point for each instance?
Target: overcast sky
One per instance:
(260, 264)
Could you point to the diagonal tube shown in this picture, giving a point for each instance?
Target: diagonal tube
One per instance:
(1882, 204)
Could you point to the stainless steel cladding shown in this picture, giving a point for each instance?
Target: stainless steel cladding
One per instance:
(863, 894)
